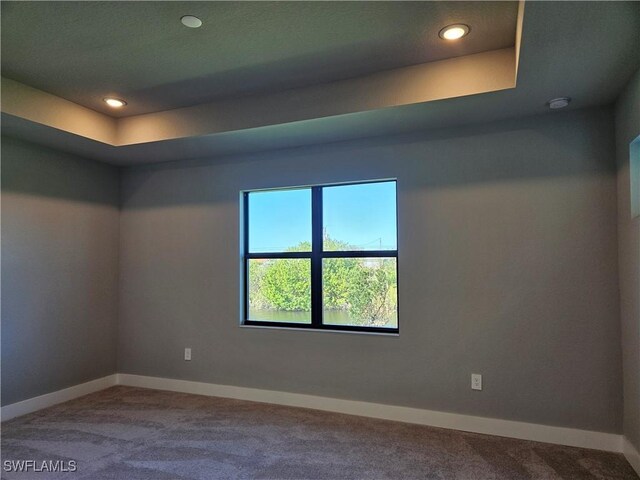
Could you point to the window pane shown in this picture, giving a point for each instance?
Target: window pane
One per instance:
(360, 217)
(280, 221)
(280, 290)
(360, 292)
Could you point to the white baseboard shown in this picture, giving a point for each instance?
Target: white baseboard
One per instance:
(491, 426)
(632, 455)
(49, 399)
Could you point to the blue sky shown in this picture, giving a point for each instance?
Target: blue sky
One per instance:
(362, 215)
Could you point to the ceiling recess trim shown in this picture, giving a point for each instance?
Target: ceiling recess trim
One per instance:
(31, 104)
(475, 74)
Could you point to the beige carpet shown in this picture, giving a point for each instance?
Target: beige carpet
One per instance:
(132, 433)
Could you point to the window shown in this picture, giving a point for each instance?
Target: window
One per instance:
(323, 257)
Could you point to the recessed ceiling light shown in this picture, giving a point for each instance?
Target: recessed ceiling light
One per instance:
(454, 32)
(191, 21)
(114, 102)
(557, 103)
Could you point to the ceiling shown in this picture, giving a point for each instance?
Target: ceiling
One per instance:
(139, 51)
(585, 50)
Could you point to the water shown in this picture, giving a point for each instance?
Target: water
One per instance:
(330, 317)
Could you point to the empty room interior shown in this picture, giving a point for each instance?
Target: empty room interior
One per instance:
(320, 240)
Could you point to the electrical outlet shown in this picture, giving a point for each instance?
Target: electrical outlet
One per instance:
(476, 381)
(187, 354)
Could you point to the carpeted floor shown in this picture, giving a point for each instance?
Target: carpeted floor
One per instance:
(132, 433)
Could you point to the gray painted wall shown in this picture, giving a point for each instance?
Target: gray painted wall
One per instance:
(59, 270)
(627, 129)
(508, 267)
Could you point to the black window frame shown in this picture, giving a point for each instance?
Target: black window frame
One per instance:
(316, 255)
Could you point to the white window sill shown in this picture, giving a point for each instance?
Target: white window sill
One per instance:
(269, 327)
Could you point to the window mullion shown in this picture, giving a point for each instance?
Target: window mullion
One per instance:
(316, 256)
(245, 253)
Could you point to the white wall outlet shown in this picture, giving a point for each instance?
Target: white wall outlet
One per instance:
(476, 381)
(187, 354)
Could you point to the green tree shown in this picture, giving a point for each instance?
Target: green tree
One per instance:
(336, 276)
(372, 292)
(286, 284)
(257, 299)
